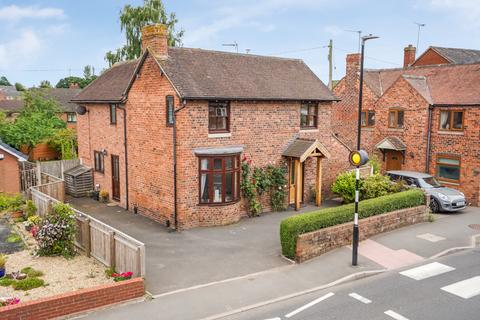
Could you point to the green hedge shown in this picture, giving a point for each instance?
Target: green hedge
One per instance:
(292, 227)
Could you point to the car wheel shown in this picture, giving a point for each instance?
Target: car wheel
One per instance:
(434, 206)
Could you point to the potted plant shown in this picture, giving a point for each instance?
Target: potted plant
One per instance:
(3, 261)
(16, 207)
(104, 196)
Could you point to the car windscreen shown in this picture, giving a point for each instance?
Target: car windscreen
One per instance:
(429, 182)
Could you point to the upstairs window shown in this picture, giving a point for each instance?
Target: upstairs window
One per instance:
(451, 120)
(218, 116)
(219, 179)
(113, 114)
(395, 118)
(71, 117)
(170, 110)
(368, 118)
(308, 115)
(448, 168)
(99, 161)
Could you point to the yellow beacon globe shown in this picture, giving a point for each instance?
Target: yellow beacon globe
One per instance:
(356, 158)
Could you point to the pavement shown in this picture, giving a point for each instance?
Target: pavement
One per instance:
(238, 295)
(444, 288)
(176, 260)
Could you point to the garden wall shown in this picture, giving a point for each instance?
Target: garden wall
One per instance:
(316, 243)
(74, 302)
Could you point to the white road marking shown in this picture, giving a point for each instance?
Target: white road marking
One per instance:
(395, 315)
(360, 298)
(277, 318)
(466, 289)
(427, 271)
(308, 305)
(430, 237)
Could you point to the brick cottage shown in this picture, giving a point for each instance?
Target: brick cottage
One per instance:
(166, 133)
(423, 117)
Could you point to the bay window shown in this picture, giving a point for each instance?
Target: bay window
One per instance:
(219, 179)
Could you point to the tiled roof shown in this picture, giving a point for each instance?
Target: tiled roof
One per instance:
(63, 96)
(10, 91)
(11, 106)
(206, 74)
(391, 143)
(459, 56)
(302, 148)
(110, 86)
(447, 84)
(14, 152)
(420, 84)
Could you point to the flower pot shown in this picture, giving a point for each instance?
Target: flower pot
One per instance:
(2, 272)
(96, 195)
(17, 214)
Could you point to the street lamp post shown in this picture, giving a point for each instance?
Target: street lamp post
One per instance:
(357, 170)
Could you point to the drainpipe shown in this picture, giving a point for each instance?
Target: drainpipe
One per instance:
(175, 219)
(429, 137)
(126, 153)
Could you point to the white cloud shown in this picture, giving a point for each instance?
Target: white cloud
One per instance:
(246, 12)
(15, 13)
(25, 47)
(468, 11)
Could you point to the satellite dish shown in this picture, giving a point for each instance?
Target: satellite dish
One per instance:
(81, 110)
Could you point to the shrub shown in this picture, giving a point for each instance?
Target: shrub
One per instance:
(374, 162)
(11, 203)
(29, 209)
(6, 282)
(27, 284)
(344, 186)
(31, 272)
(376, 186)
(292, 227)
(56, 234)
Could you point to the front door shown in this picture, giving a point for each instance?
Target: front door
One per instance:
(394, 160)
(292, 179)
(115, 178)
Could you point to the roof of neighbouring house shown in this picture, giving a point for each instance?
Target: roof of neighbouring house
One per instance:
(458, 55)
(442, 84)
(391, 143)
(63, 96)
(10, 91)
(14, 152)
(11, 106)
(206, 74)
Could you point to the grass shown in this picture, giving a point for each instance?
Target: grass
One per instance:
(28, 284)
(31, 272)
(13, 238)
(6, 282)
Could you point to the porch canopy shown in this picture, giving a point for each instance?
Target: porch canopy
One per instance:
(391, 143)
(298, 151)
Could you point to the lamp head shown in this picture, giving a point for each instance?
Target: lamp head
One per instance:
(369, 37)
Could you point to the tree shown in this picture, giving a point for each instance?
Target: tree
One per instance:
(133, 19)
(4, 81)
(68, 81)
(45, 84)
(65, 142)
(37, 122)
(88, 72)
(19, 87)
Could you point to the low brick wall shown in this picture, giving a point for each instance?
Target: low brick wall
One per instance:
(316, 243)
(76, 301)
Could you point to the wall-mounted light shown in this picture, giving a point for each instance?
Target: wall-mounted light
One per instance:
(104, 152)
(2, 156)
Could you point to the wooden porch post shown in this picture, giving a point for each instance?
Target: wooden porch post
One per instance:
(298, 190)
(318, 189)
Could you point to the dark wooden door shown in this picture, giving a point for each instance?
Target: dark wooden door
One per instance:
(394, 160)
(115, 178)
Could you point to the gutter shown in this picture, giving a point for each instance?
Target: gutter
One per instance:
(175, 218)
(126, 153)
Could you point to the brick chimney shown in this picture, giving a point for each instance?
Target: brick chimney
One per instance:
(74, 85)
(353, 68)
(409, 55)
(154, 37)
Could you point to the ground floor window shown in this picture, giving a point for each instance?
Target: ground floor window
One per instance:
(219, 178)
(99, 163)
(448, 168)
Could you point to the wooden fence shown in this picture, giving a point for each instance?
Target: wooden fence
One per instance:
(106, 244)
(58, 167)
(51, 186)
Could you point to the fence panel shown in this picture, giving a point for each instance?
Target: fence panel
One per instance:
(58, 167)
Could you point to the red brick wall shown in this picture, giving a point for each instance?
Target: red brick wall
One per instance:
(41, 152)
(74, 302)
(96, 133)
(9, 173)
(430, 57)
(464, 144)
(316, 243)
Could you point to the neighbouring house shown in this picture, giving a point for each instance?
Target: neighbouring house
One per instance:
(10, 159)
(9, 93)
(166, 133)
(64, 98)
(423, 117)
(11, 108)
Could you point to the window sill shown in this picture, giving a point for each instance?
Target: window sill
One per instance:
(308, 129)
(396, 129)
(219, 204)
(454, 133)
(368, 128)
(220, 135)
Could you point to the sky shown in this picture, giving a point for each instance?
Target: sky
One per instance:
(49, 40)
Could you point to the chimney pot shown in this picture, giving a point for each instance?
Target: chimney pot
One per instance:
(409, 56)
(155, 38)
